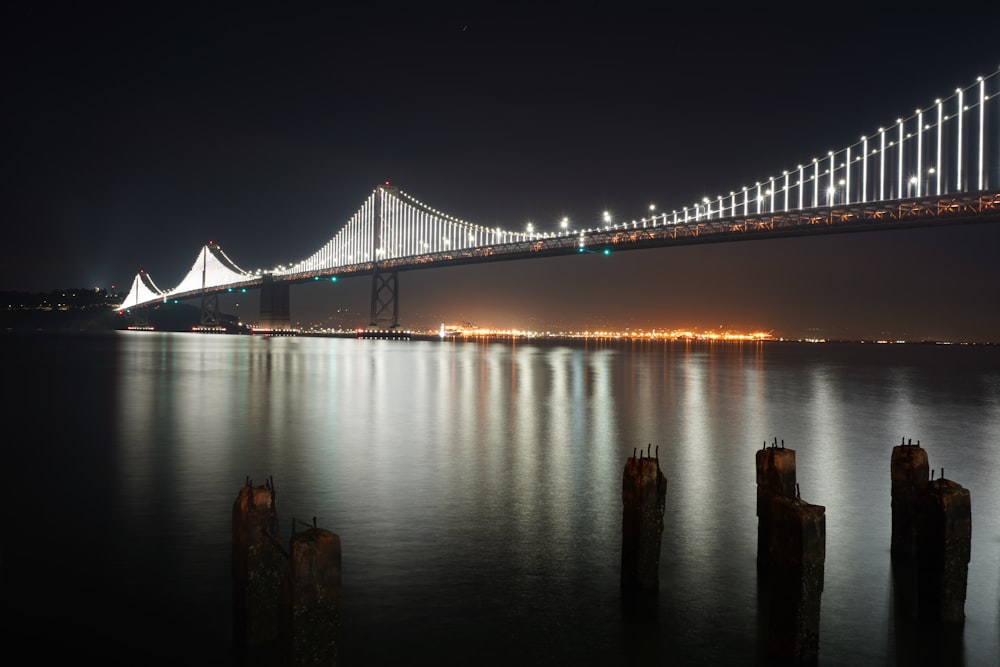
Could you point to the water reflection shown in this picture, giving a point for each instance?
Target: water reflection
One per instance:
(476, 487)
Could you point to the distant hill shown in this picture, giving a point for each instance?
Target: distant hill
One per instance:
(79, 310)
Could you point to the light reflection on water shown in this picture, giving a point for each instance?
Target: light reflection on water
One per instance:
(476, 486)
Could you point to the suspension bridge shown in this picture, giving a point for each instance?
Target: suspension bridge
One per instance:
(938, 166)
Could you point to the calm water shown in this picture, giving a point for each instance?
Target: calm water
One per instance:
(476, 490)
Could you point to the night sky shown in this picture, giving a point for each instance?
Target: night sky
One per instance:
(137, 132)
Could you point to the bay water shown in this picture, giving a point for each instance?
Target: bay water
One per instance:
(476, 488)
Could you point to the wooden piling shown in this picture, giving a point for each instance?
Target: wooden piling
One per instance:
(644, 493)
(258, 565)
(944, 548)
(775, 479)
(796, 557)
(909, 473)
(311, 598)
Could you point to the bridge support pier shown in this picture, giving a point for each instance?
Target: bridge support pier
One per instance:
(210, 310)
(274, 306)
(140, 316)
(385, 296)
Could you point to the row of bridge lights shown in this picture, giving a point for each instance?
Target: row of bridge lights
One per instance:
(606, 218)
(917, 184)
(704, 208)
(835, 193)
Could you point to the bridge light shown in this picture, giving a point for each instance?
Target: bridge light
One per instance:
(607, 251)
(333, 279)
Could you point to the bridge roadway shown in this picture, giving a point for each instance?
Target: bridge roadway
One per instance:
(931, 211)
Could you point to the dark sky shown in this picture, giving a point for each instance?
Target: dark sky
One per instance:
(137, 132)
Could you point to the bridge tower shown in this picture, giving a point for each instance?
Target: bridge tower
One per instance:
(385, 283)
(209, 300)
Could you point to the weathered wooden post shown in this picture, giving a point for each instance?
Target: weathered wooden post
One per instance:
(775, 479)
(909, 474)
(791, 557)
(796, 562)
(258, 565)
(310, 598)
(644, 495)
(944, 548)
(931, 538)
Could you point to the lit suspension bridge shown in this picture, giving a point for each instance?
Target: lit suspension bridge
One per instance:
(938, 166)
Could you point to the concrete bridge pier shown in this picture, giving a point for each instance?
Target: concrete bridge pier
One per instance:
(140, 316)
(310, 600)
(274, 305)
(644, 493)
(258, 565)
